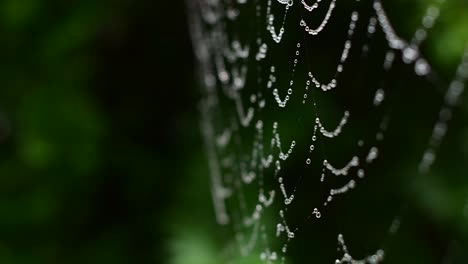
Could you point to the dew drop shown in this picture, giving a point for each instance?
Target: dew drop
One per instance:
(410, 53)
(421, 67)
(360, 173)
(253, 98)
(316, 213)
(360, 143)
(379, 97)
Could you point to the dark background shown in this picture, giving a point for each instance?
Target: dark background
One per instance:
(98, 124)
(101, 157)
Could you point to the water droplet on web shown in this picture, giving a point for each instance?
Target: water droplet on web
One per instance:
(308, 161)
(372, 155)
(410, 54)
(379, 97)
(223, 76)
(258, 207)
(421, 67)
(253, 98)
(347, 44)
(361, 173)
(316, 213)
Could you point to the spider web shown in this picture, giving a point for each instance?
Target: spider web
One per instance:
(286, 147)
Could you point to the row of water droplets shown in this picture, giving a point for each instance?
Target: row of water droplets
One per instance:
(214, 46)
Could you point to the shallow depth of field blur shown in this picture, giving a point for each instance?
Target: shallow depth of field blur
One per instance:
(101, 155)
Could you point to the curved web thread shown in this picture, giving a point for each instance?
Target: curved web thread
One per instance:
(225, 65)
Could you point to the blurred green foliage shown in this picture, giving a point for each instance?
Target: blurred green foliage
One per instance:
(85, 144)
